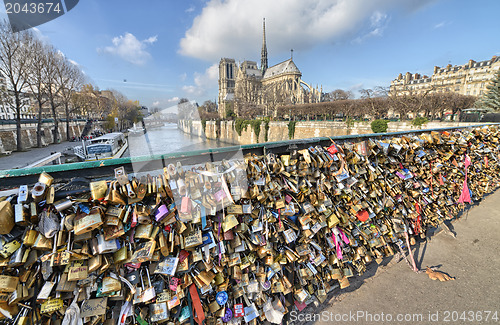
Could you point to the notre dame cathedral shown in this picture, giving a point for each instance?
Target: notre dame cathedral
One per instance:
(245, 86)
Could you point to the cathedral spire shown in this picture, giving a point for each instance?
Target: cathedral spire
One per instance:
(263, 54)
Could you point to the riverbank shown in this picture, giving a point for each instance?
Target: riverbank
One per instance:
(8, 135)
(227, 132)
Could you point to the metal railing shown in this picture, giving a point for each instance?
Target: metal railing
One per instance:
(105, 168)
(35, 121)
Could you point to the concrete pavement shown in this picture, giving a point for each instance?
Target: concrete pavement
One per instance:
(24, 158)
(394, 294)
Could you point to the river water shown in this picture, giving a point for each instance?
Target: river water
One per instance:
(167, 139)
(159, 140)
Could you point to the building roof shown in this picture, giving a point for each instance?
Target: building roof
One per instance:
(253, 73)
(287, 66)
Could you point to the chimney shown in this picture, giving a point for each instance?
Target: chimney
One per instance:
(436, 68)
(407, 77)
(471, 62)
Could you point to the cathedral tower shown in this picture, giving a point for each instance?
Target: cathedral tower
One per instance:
(263, 54)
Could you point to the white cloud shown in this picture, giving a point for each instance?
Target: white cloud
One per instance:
(208, 78)
(378, 23)
(164, 102)
(130, 49)
(151, 39)
(233, 28)
(441, 24)
(190, 9)
(356, 87)
(193, 90)
(203, 81)
(41, 36)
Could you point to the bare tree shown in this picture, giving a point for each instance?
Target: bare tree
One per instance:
(90, 102)
(69, 78)
(376, 103)
(52, 65)
(458, 102)
(37, 82)
(338, 94)
(246, 94)
(275, 95)
(15, 58)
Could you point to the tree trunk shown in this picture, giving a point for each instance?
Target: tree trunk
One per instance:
(39, 126)
(67, 121)
(18, 123)
(56, 122)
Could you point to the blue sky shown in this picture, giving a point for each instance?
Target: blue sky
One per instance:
(166, 50)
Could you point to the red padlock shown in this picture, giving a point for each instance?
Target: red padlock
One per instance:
(238, 310)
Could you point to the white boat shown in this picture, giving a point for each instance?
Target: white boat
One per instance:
(108, 146)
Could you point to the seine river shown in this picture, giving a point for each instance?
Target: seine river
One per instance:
(158, 140)
(166, 139)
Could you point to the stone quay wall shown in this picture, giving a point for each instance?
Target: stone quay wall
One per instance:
(278, 130)
(8, 135)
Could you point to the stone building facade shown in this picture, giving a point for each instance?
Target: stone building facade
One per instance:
(468, 79)
(248, 85)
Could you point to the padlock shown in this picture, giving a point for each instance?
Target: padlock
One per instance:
(106, 246)
(143, 231)
(95, 262)
(7, 220)
(63, 285)
(76, 273)
(143, 252)
(111, 283)
(85, 223)
(158, 312)
(98, 189)
(147, 293)
(193, 239)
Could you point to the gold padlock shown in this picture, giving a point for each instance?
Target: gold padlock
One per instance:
(9, 248)
(84, 223)
(98, 189)
(8, 283)
(143, 231)
(7, 221)
(120, 255)
(76, 273)
(110, 284)
(45, 179)
(95, 262)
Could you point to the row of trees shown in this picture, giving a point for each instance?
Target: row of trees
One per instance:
(432, 106)
(36, 71)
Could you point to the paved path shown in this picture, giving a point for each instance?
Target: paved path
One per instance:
(473, 257)
(23, 159)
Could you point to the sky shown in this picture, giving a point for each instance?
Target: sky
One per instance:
(159, 51)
